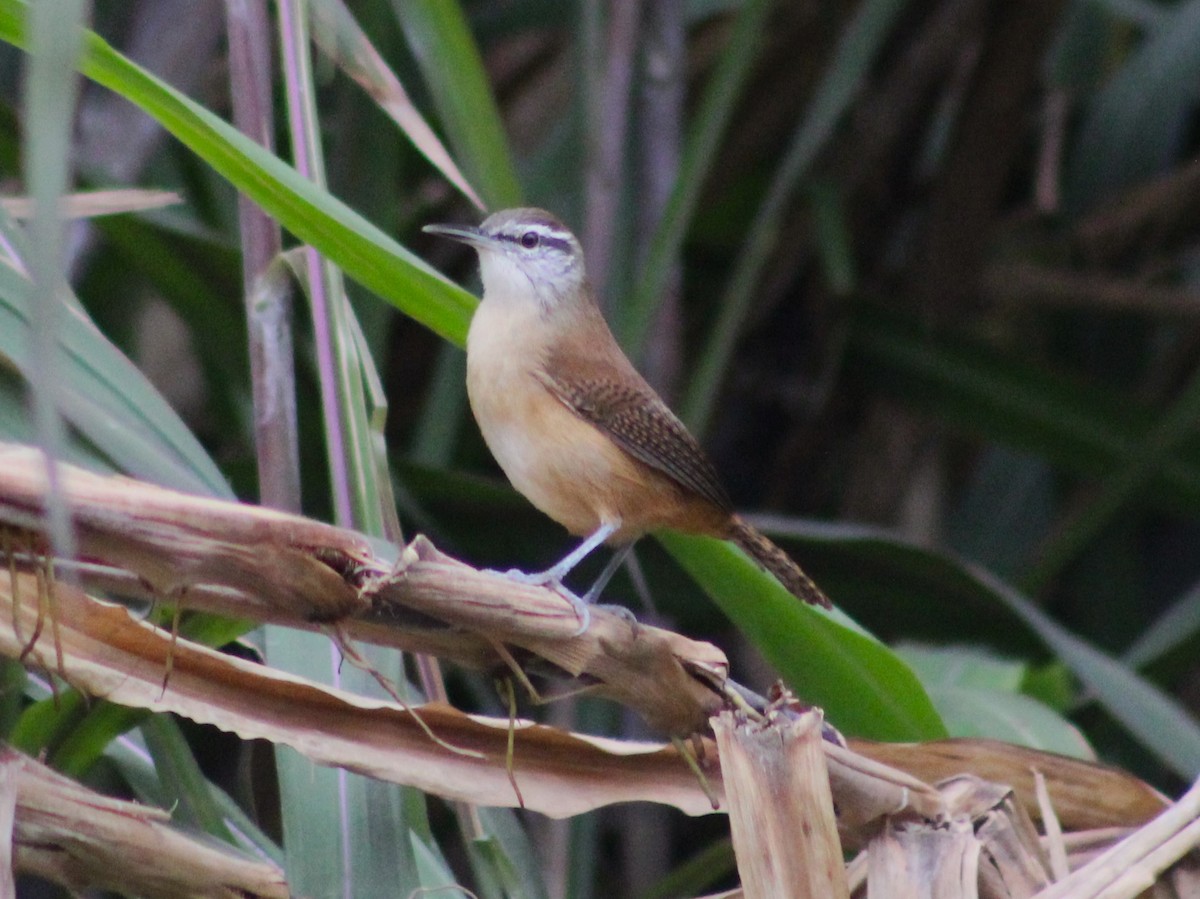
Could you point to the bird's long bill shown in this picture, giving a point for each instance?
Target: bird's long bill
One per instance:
(462, 233)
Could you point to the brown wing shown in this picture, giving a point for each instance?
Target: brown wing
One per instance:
(640, 423)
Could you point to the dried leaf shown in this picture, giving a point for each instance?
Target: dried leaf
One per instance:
(93, 203)
(108, 653)
(341, 39)
(1085, 795)
(781, 809)
(255, 563)
(286, 569)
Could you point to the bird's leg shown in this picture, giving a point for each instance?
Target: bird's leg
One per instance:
(620, 554)
(579, 553)
(610, 569)
(552, 577)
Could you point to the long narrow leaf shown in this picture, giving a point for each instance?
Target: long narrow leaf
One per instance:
(1158, 722)
(104, 395)
(950, 588)
(437, 32)
(864, 687)
(363, 251)
(339, 36)
(854, 56)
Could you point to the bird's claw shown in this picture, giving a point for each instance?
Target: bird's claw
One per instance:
(549, 580)
(624, 614)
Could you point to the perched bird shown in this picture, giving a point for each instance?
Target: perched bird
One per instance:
(574, 426)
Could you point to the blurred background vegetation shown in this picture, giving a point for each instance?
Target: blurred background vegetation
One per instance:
(921, 274)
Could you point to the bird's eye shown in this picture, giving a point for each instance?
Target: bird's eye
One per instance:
(529, 240)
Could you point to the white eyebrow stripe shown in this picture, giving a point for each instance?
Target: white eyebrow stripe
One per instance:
(550, 236)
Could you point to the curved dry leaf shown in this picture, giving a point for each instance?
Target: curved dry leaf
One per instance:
(1085, 795)
(250, 562)
(271, 566)
(107, 653)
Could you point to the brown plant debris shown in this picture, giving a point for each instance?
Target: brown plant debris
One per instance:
(234, 559)
(64, 832)
(248, 562)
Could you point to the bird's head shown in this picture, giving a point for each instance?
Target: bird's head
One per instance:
(524, 254)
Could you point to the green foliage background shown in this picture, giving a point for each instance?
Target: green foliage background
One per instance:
(921, 275)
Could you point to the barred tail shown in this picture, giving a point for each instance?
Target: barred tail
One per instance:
(777, 562)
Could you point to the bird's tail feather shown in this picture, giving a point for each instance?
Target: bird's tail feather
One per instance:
(777, 562)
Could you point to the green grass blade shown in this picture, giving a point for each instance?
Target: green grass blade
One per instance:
(441, 41)
(1156, 720)
(132, 760)
(335, 837)
(443, 411)
(343, 402)
(1180, 622)
(865, 689)
(50, 94)
(852, 60)
(364, 252)
(105, 397)
(190, 798)
(339, 36)
(505, 858)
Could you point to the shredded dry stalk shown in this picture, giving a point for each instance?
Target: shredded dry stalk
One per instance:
(781, 814)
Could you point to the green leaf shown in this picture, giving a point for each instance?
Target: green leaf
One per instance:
(889, 579)
(505, 856)
(865, 689)
(189, 793)
(15, 427)
(1011, 717)
(961, 666)
(440, 40)
(104, 396)
(339, 36)
(363, 251)
(45, 723)
(1178, 624)
(1074, 425)
(978, 695)
(131, 759)
(1156, 720)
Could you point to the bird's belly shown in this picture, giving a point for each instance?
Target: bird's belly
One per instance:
(560, 463)
(565, 466)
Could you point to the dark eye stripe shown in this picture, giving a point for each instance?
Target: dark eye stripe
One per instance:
(557, 243)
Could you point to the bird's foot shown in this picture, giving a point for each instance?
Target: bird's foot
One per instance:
(551, 579)
(623, 613)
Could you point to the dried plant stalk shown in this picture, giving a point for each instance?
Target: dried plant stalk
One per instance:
(780, 806)
(249, 562)
(240, 560)
(1134, 864)
(66, 833)
(921, 862)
